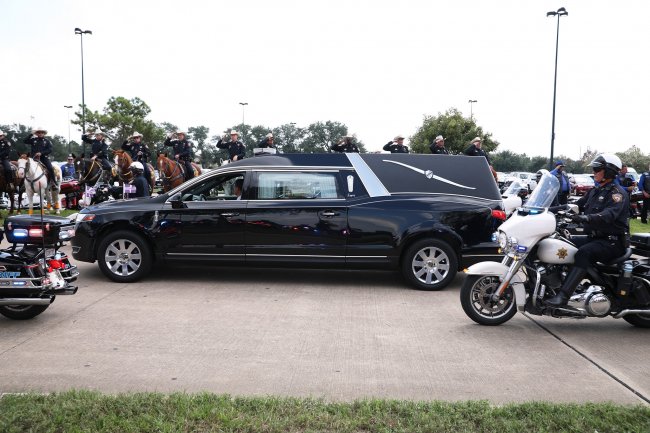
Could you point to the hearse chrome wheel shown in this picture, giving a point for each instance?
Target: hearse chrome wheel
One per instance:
(124, 256)
(430, 264)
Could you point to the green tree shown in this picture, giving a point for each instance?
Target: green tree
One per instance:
(288, 138)
(509, 161)
(320, 136)
(122, 117)
(204, 150)
(634, 158)
(457, 130)
(537, 163)
(18, 132)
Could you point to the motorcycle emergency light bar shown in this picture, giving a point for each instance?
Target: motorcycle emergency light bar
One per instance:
(20, 233)
(35, 233)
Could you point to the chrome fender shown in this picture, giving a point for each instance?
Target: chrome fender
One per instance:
(500, 270)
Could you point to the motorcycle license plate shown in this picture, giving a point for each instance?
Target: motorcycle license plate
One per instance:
(56, 279)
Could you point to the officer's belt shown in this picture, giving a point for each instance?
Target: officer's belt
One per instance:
(605, 236)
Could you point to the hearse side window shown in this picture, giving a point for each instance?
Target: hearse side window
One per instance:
(214, 188)
(297, 186)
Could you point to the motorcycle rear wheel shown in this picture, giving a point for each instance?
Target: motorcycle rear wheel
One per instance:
(22, 312)
(475, 298)
(640, 320)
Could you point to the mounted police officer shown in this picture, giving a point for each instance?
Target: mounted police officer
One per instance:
(99, 152)
(139, 181)
(267, 142)
(396, 145)
(605, 220)
(5, 154)
(438, 146)
(345, 145)
(138, 151)
(182, 151)
(236, 149)
(41, 147)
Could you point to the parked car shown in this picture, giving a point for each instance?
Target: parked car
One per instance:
(427, 215)
(525, 179)
(583, 183)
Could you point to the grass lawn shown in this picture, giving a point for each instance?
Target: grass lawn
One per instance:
(85, 411)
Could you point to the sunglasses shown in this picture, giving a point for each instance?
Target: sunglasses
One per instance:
(597, 169)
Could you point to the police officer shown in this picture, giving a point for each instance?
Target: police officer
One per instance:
(267, 142)
(438, 146)
(396, 145)
(345, 145)
(606, 221)
(565, 185)
(628, 185)
(99, 151)
(475, 149)
(67, 170)
(41, 147)
(5, 154)
(138, 151)
(139, 181)
(182, 151)
(236, 149)
(644, 186)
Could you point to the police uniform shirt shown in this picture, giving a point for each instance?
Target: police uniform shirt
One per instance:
(472, 150)
(608, 209)
(5, 148)
(182, 148)
(235, 148)
(98, 148)
(439, 150)
(346, 147)
(141, 186)
(39, 145)
(396, 148)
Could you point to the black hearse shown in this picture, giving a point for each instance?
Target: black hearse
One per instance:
(427, 215)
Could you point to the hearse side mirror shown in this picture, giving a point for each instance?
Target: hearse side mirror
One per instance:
(177, 201)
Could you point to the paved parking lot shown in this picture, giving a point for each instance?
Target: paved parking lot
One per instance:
(340, 335)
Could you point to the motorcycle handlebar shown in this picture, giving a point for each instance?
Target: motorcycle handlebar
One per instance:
(556, 209)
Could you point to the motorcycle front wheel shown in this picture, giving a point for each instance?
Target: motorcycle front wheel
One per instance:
(22, 312)
(640, 320)
(476, 299)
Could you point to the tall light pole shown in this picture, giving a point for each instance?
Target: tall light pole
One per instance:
(81, 33)
(558, 13)
(68, 107)
(471, 113)
(243, 106)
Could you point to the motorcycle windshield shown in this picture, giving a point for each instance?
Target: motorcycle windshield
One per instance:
(546, 190)
(513, 189)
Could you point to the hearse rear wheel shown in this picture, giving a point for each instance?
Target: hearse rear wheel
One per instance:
(430, 264)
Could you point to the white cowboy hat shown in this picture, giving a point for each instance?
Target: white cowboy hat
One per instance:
(181, 132)
(269, 135)
(439, 138)
(397, 137)
(476, 139)
(99, 132)
(233, 132)
(136, 134)
(39, 129)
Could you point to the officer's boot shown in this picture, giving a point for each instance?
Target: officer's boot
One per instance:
(570, 283)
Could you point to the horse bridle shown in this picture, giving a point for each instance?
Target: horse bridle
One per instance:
(26, 172)
(90, 170)
(169, 179)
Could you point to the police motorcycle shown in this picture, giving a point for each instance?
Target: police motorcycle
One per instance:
(33, 270)
(513, 197)
(538, 253)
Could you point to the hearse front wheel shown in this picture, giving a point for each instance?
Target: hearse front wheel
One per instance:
(124, 256)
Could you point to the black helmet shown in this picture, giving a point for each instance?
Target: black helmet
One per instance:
(610, 162)
(541, 173)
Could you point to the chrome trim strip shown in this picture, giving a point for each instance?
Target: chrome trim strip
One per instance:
(204, 254)
(369, 179)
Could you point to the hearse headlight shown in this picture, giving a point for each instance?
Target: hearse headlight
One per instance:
(84, 217)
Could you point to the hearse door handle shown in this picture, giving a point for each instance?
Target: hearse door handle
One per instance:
(229, 214)
(329, 213)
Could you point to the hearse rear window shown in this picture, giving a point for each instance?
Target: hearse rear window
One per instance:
(297, 186)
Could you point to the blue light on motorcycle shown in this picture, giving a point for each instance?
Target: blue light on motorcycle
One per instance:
(20, 233)
(495, 236)
(18, 283)
(521, 249)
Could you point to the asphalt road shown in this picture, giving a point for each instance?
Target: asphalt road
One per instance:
(339, 335)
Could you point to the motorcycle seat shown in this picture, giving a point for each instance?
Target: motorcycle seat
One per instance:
(621, 259)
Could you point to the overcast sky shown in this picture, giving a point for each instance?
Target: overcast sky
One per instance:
(377, 66)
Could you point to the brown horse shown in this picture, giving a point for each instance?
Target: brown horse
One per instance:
(172, 172)
(89, 170)
(123, 163)
(4, 187)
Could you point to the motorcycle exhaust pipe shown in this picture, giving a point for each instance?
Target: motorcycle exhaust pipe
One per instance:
(626, 312)
(70, 290)
(27, 301)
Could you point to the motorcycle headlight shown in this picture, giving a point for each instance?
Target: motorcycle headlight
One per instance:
(503, 240)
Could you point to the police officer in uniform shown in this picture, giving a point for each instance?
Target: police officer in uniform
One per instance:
(345, 145)
(138, 151)
(139, 181)
(182, 151)
(438, 146)
(99, 151)
(474, 149)
(236, 149)
(628, 185)
(605, 220)
(397, 145)
(644, 186)
(267, 142)
(5, 154)
(41, 147)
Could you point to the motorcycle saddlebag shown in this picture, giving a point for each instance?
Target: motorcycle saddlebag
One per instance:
(641, 243)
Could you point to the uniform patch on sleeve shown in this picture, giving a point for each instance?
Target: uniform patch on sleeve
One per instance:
(617, 197)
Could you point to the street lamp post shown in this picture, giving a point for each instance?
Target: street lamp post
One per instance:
(243, 105)
(81, 33)
(68, 107)
(558, 13)
(471, 113)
